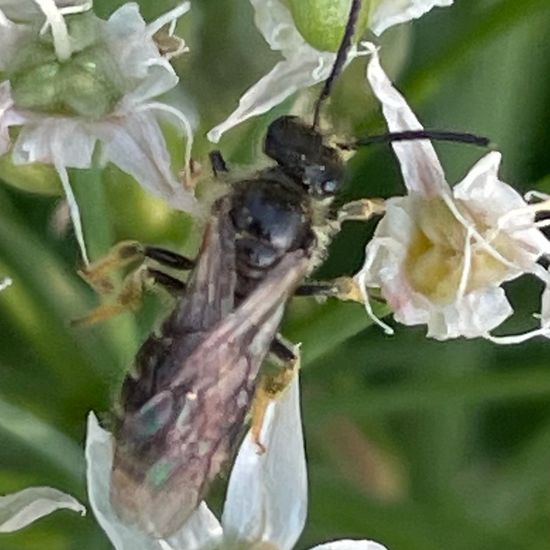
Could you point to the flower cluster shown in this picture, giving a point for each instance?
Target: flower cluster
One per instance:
(69, 79)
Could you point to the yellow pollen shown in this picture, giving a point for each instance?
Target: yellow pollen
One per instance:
(435, 258)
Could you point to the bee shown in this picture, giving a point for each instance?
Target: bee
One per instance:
(183, 404)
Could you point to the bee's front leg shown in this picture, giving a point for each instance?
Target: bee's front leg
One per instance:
(361, 210)
(128, 294)
(343, 288)
(273, 380)
(217, 163)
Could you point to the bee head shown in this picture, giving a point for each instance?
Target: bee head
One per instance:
(302, 154)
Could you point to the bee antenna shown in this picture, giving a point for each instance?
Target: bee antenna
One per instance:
(340, 61)
(413, 135)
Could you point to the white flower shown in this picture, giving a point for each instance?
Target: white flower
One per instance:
(440, 255)
(265, 506)
(98, 82)
(303, 65)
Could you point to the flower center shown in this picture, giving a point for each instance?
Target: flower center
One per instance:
(442, 252)
(85, 85)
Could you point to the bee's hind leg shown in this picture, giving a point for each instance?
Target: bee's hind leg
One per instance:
(273, 380)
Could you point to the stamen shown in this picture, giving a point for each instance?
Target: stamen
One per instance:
(5, 283)
(467, 268)
(73, 210)
(474, 233)
(153, 105)
(69, 10)
(60, 33)
(518, 338)
(168, 17)
(363, 288)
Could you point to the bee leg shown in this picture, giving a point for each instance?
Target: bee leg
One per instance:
(169, 283)
(130, 295)
(97, 274)
(168, 258)
(272, 383)
(361, 210)
(129, 298)
(343, 288)
(217, 162)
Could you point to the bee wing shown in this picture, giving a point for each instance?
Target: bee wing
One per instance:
(176, 443)
(210, 291)
(208, 298)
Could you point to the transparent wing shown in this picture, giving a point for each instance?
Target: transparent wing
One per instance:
(176, 442)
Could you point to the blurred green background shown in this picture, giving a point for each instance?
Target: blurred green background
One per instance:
(417, 444)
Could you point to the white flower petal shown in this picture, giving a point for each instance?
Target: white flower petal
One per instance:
(74, 211)
(136, 54)
(18, 10)
(267, 493)
(350, 545)
(477, 313)
(422, 171)
(137, 146)
(276, 24)
(387, 13)
(201, 532)
(12, 37)
(23, 508)
(27, 11)
(481, 187)
(306, 68)
(52, 140)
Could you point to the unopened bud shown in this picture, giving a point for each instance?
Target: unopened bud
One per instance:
(322, 22)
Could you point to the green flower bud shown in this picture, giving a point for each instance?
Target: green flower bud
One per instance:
(322, 22)
(87, 85)
(36, 89)
(36, 177)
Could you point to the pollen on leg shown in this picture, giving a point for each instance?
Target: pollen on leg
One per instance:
(129, 298)
(97, 274)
